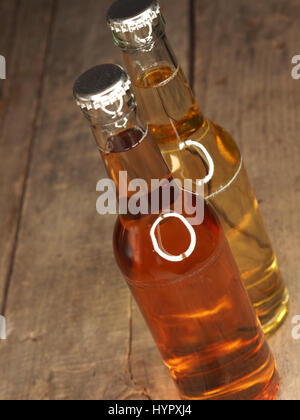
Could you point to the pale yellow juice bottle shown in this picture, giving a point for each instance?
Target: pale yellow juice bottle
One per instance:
(196, 148)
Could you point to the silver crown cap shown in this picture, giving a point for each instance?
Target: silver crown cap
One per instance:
(101, 87)
(137, 22)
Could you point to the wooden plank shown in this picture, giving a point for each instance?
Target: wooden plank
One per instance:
(72, 331)
(67, 309)
(8, 15)
(24, 49)
(58, 298)
(243, 81)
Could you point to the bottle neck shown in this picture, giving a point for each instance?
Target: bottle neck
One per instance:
(129, 153)
(166, 99)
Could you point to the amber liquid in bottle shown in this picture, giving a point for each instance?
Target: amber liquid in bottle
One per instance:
(163, 94)
(197, 308)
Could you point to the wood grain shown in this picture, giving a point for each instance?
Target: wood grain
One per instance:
(74, 331)
(243, 81)
(24, 44)
(64, 316)
(69, 315)
(8, 17)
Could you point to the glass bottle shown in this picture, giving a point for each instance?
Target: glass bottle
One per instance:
(195, 147)
(182, 275)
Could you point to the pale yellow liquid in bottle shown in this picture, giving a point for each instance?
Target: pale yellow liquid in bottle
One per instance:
(162, 94)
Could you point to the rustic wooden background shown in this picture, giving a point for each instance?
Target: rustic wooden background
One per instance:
(73, 330)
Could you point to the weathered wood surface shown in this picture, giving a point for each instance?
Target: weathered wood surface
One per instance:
(74, 331)
(23, 43)
(68, 310)
(243, 81)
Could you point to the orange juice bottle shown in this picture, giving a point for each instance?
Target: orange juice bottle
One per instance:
(178, 266)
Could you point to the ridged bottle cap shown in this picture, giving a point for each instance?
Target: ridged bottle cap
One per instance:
(103, 87)
(131, 15)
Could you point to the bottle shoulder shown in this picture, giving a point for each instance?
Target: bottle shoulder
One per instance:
(210, 154)
(142, 247)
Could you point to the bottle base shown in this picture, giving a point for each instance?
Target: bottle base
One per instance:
(276, 317)
(271, 390)
(253, 393)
